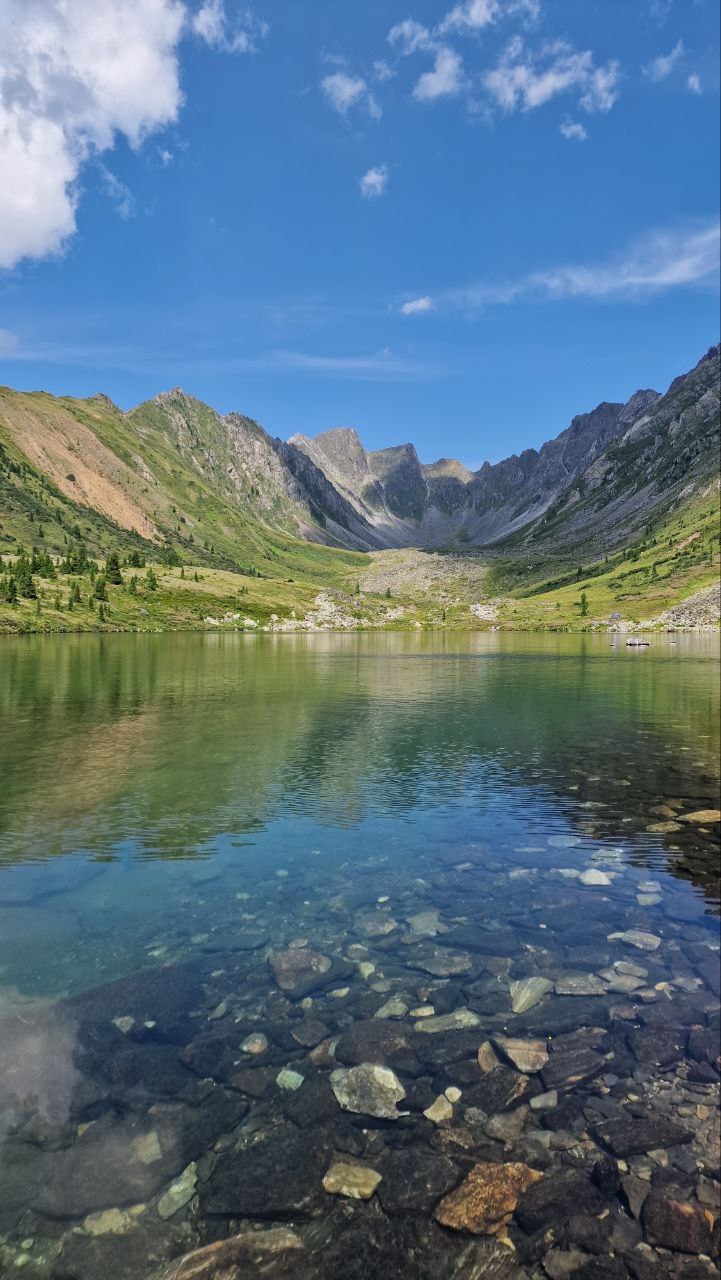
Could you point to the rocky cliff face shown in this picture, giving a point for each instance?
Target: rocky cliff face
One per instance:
(408, 503)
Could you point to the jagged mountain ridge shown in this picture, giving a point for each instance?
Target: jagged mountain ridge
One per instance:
(175, 471)
(412, 503)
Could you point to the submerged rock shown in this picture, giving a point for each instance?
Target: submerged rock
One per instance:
(357, 1181)
(456, 1021)
(233, 1259)
(270, 1174)
(637, 938)
(528, 992)
(368, 1090)
(486, 1199)
(580, 984)
(415, 1178)
(526, 1055)
(179, 1193)
(677, 1225)
(627, 1136)
(440, 1111)
(299, 970)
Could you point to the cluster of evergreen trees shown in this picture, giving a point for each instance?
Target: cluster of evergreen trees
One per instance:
(17, 577)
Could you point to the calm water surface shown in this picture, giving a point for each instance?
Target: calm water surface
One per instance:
(422, 811)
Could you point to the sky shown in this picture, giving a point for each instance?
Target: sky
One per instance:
(458, 224)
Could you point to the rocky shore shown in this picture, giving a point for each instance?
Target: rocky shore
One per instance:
(506, 1068)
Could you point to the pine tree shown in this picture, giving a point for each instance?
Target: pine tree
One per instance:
(24, 578)
(584, 605)
(133, 585)
(112, 569)
(100, 590)
(151, 581)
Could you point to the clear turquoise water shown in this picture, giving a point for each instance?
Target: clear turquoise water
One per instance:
(148, 781)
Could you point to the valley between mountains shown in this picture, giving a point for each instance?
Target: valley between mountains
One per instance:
(173, 516)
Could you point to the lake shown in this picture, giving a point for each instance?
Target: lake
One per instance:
(298, 933)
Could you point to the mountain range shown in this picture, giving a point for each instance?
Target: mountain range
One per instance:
(174, 473)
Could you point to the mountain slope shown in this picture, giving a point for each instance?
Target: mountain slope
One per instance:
(669, 453)
(178, 478)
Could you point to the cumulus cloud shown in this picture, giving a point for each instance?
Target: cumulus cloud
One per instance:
(416, 306)
(344, 91)
(524, 81)
(662, 66)
(74, 77)
(658, 262)
(374, 182)
(574, 131)
(444, 80)
(693, 84)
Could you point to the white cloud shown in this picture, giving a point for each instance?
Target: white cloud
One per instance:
(382, 71)
(211, 24)
(473, 15)
(73, 77)
(574, 131)
(121, 195)
(374, 182)
(662, 66)
(416, 306)
(523, 80)
(344, 91)
(9, 343)
(410, 37)
(165, 157)
(659, 261)
(445, 80)
(693, 84)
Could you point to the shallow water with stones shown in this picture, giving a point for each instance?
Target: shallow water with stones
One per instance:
(312, 944)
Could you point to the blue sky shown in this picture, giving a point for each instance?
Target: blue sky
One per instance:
(457, 224)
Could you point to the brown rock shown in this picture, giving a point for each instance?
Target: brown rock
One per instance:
(486, 1199)
(677, 1225)
(527, 1055)
(701, 815)
(238, 1257)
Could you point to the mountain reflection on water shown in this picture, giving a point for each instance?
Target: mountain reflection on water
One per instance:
(232, 867)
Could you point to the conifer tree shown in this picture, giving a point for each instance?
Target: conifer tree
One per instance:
(112, 569)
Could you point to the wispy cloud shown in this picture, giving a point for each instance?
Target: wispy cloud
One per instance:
(374, 182)
(660, 261)
(662, 66)
(240, 35)
(344, 91)
(693, 84)
(121, 195)
(380, 365)
(9, 344)
(416, 306)
(524, 80)
(473, 15)
(573, 131)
